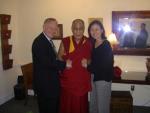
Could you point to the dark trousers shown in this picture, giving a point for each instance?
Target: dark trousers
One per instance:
(48, 105)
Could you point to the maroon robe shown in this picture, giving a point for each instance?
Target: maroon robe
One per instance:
(75, 82)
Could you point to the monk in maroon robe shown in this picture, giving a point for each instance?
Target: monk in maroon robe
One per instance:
(75, 79)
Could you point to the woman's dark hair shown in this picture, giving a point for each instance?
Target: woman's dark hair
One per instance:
(100, 25)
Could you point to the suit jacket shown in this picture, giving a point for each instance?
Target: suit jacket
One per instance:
(45, 68)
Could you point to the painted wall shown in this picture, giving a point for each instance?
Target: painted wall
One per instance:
(28, 17)
(8, 78)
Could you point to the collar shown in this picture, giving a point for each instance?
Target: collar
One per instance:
(49, 39)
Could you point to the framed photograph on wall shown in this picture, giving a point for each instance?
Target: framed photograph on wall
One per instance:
(92, 19)
(59, 33)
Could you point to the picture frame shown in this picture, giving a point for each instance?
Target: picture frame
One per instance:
(59, 33)
(92, 19)
(135, 18)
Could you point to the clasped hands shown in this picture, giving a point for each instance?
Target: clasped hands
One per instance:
(84, 63)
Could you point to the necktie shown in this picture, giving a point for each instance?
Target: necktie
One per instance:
(52, 43)
(53, 46)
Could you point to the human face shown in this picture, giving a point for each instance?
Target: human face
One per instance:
(96, 31)
(50, 28)
(78, 30)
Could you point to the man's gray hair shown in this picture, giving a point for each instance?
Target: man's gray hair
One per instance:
(49, 20)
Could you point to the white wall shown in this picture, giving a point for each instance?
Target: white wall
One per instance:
(140, 94)
(8, 78)
(7, 82)
(33, 12)
(28, 16)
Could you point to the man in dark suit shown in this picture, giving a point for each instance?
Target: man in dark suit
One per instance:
(141, 40)
(45, 68)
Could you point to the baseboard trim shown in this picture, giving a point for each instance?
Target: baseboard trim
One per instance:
(6, 98)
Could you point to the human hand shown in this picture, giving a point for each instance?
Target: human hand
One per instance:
(84, 63)
(68, 63)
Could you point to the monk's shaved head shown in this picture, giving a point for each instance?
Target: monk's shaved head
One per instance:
(78, 21)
